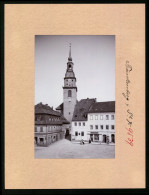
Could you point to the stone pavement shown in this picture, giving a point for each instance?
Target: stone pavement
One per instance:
(64, 149)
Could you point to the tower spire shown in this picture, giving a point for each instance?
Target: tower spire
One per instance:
(70, 58)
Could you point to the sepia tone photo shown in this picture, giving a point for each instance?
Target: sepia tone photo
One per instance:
(74, 97)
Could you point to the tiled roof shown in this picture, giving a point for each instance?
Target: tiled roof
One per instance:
(60, 107)
(45, 109)
(81, 109)
(99, 107)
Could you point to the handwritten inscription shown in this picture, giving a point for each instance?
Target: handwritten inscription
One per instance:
(129, 115)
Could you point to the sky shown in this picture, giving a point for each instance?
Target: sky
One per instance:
(94, 67)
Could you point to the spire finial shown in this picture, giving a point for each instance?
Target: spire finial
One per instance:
(69, 50)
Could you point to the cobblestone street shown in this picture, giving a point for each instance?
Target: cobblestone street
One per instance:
(64, 149)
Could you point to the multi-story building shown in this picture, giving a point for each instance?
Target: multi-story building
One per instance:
(79, 120)
(49, 125)
(94, 121)
(101, 122)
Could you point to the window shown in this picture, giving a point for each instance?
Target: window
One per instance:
(82, 133)
(96, 126)
(91, 126)
(96, 117)
(75, 124)
(107, 126)
(76, 133)
(69, 93)
(79, 124)
(91, 117)
(112, 126)
(107, 117)
(83, 124)
(35, 129)
(101, 117)
(112, 117)
(69, 112)
(41, 129)
(101, 126)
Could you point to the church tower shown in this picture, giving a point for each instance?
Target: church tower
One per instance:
(69, 90)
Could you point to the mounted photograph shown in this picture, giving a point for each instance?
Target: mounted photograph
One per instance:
(74, 97)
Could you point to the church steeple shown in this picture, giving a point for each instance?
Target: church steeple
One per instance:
(69, 71)
(69, 89)
(70, 58)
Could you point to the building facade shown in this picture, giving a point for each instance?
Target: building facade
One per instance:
(69, 90)
(79, 121)
(99, 125)
(50, 126)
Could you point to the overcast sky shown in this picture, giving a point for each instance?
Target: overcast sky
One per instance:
(94, 67)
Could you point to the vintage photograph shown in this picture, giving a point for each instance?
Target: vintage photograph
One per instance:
(74, 97)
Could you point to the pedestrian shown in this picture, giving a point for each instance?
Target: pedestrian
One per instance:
(89, 140)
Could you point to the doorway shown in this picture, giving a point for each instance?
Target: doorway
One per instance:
(104, 138)
(113, 138)
(67, 135)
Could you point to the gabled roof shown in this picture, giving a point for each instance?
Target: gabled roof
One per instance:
(60, 107)
(45, 109)
(81, 109)
(100, 107)
(45, 112)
